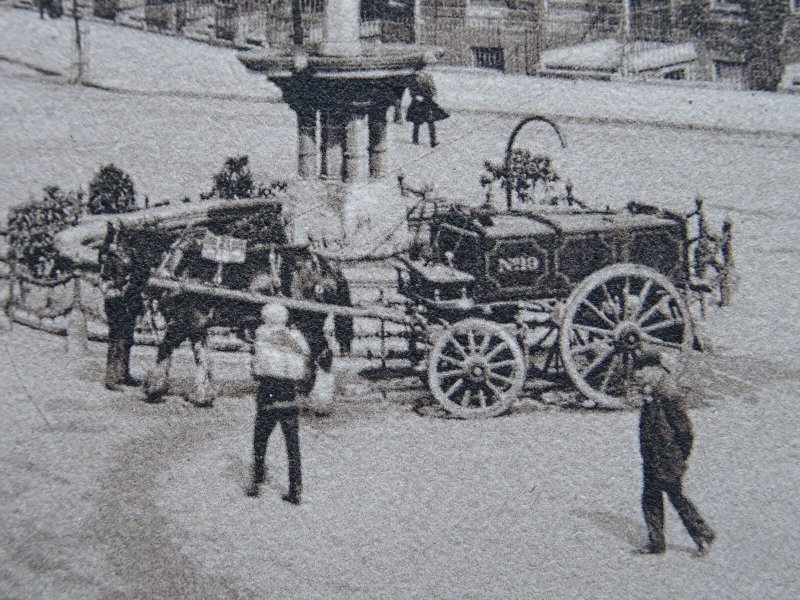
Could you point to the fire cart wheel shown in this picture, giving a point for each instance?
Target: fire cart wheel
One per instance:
(476, 369)
(613, 315)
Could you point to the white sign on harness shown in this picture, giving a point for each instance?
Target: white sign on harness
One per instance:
(223, 248)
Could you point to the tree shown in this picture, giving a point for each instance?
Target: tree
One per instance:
(111, 191)
(234, 180)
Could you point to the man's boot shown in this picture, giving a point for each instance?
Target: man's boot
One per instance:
(257, 479)
(704, 543)
(293, 497)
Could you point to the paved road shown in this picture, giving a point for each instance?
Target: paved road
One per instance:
(104, 496)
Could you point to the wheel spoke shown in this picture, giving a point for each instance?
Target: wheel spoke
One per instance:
(487, 337)
(611, 368)
(458, 346)
(652, 310)
(662, 324)
(471, 341)
(611, 301)
(651, 339)
(502, 363)
(454, 388)
(502, 378)
(596, 363)
(605, 333)
(592, 346)
(495, 351)
(626, 365)
(482, 398)
(643, 294)
(497, 391)
(452, 360)
(599, 313)
(466, 397)
(453, 373)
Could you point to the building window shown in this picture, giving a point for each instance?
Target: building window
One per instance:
(488, 58)
(675, 75)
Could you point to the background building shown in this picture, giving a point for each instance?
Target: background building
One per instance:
(734, 43)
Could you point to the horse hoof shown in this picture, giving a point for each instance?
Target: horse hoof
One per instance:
(153, 390)
(208, 403)
(154, 398)
(154, 394)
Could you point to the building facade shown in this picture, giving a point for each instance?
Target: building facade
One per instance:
(735, 43)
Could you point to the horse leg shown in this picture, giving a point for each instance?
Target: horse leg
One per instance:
(203, 394)
(156, 380)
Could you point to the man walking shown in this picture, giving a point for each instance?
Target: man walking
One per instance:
(423, 107)
(665, 436)
(281, 365)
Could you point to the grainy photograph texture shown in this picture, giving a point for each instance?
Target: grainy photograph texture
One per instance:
(368, 299)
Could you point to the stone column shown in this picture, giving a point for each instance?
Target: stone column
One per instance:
(377, 143)
(333, 133)
(306, 142)
(350, 153)
(342, 28)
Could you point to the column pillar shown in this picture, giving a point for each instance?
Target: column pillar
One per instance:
(332, 134)
(377, 146)
(306, 142)
(341, 28)
(350, 155)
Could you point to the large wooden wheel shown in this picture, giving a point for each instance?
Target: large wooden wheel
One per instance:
(614, 314)
(476, 369)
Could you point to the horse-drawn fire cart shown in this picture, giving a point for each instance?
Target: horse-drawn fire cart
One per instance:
(497, 297)
(509, 295)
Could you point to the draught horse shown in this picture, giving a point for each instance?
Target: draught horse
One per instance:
(272, 267)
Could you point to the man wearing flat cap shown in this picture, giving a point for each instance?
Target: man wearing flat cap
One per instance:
(665, 437)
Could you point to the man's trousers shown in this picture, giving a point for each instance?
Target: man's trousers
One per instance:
(653, 509)
(431, 132)
(267, 417)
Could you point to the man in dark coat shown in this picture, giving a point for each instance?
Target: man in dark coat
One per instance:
(423, 107)
(665, 436)
(276, 403)
(122, 312)
(123, 303)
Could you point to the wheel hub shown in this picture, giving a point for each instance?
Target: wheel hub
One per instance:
(628, 337)
(477, 370)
